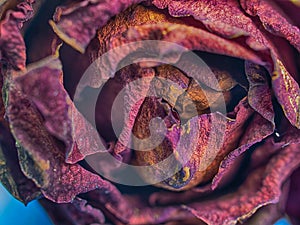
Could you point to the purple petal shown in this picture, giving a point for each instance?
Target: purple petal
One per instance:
(77, 24)
(77, 212)
(12, 45)
(233, 21)
(259, 94)
(42, 157)
(11, 175)
(42, 83)
(287, 92)
(273, 20)
(262, 187)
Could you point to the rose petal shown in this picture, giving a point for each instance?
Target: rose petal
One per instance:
(78, 212)
(133, 99)
(262, 187)
(287, 92)
(135, 15)
(259, 94)
(42, 83)
(112, 202)
(285, 87)
(291, 9)
(159, 215)
(59, 182)
(42, 43)
(203, 157)
(77, 24)
(42, 159)
(258, 130)
(191, 38)
(292, 206)
(234, 22)
(161, 4)
(12, 45)
(269, 214)
(160, 138)
(273, 20)
(48, 170)
(233, 131)
(11, 175)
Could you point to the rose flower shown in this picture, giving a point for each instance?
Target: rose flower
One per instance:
(204, 96)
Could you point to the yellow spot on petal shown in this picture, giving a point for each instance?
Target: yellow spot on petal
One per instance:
(176, 154)
(71, 41)
(44, 165)
(188, 130)
(296, 2)
(187, 173)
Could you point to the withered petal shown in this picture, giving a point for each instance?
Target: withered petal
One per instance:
(132, 104)
(208, 154)
(59, 182)
(291, 9)
(269, 214)
(77, 212)
(159, 215)
(12, 46)
(43, 161)
(11, 175)
(233, 22)
(192, 38)
(262, 187)
(292, 207)
(259, 94)
(233, 133)
(258, 129)
(42, 83)
(287, 92)
(77, 24)
(273, 20)
(216, 136)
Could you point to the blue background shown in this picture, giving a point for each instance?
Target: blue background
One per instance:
(13, 212)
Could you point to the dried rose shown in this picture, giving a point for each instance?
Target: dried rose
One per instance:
(252, 49)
